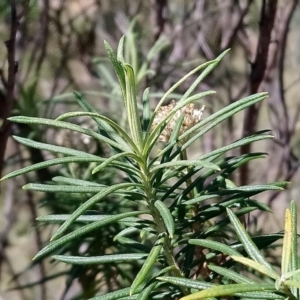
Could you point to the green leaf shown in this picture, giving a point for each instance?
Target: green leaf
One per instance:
(114, 158)
(292, 283)
(146, 113)
(294, 258)
(89, 203)
(248, 244)
(116, 295)
(166, 216)
(256, 266)
(118, 67)
(258, 136)
(187, 283)
(220, 151)
(82, 231)
(120, 50)
(73, 181)
(178, 83)
(70, 126)
(251, 189)
(53, 148)
(228, 290)
(112, 125)
(50, 188)
(229, 274)
(291, 274)
(218, 226)
(187, 163)
(200, 199)
(148, 264)
(132, 109)
(294, 262)
(287, 243)
(132, 244)
(220, 116)
(203, 75)
(52, 162)
(217, 246)
(103, 125)
(144, 295)
(83, 218)
(104, 259)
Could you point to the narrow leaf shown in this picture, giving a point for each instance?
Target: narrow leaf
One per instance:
(187, 283)
(146, 112)
(217, 246)
(50, 188)
(52, 246)
(83, 218)
(113, 159)
(120, 49)
(256, 266)
(166, 216)
(220, 116)
(113, 258)
(103, 125)
(132, 108)
(53, 148)
(287, 243)
(117, 295)
(229, 274)
(144, 295)
(177, 84)
(69, 126)
(187, 163)
(73, 181)
(112, 126)
(148, 264)
(117, 66)
(52, 162)
(294, 258)
(228, 290)
(292, 283)
(248, 244)
(81, 209)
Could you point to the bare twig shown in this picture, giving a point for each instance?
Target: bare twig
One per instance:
(10, 216)
(12, 70)
(160, 17)
(29, 200)
(268, 12)
(231, 33)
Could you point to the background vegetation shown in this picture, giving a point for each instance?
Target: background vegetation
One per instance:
(58, 47)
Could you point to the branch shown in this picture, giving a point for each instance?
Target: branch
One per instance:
(228, 39)
(160, 17)
(10, 86)
(268, 13)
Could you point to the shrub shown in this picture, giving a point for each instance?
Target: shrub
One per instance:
(161, 228)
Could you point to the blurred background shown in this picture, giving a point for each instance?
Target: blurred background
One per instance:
(51, 47)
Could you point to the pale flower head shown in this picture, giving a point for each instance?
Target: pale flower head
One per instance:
(191, 115)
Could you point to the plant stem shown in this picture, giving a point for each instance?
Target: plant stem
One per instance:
(188, 183)
(161, 229)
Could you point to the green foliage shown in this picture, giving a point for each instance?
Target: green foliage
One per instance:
(281, 288)
(145, 228)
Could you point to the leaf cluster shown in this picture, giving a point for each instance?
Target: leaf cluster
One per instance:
(170, 209)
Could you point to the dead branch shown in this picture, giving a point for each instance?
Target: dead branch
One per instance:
(12, 70)
(259, 66)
